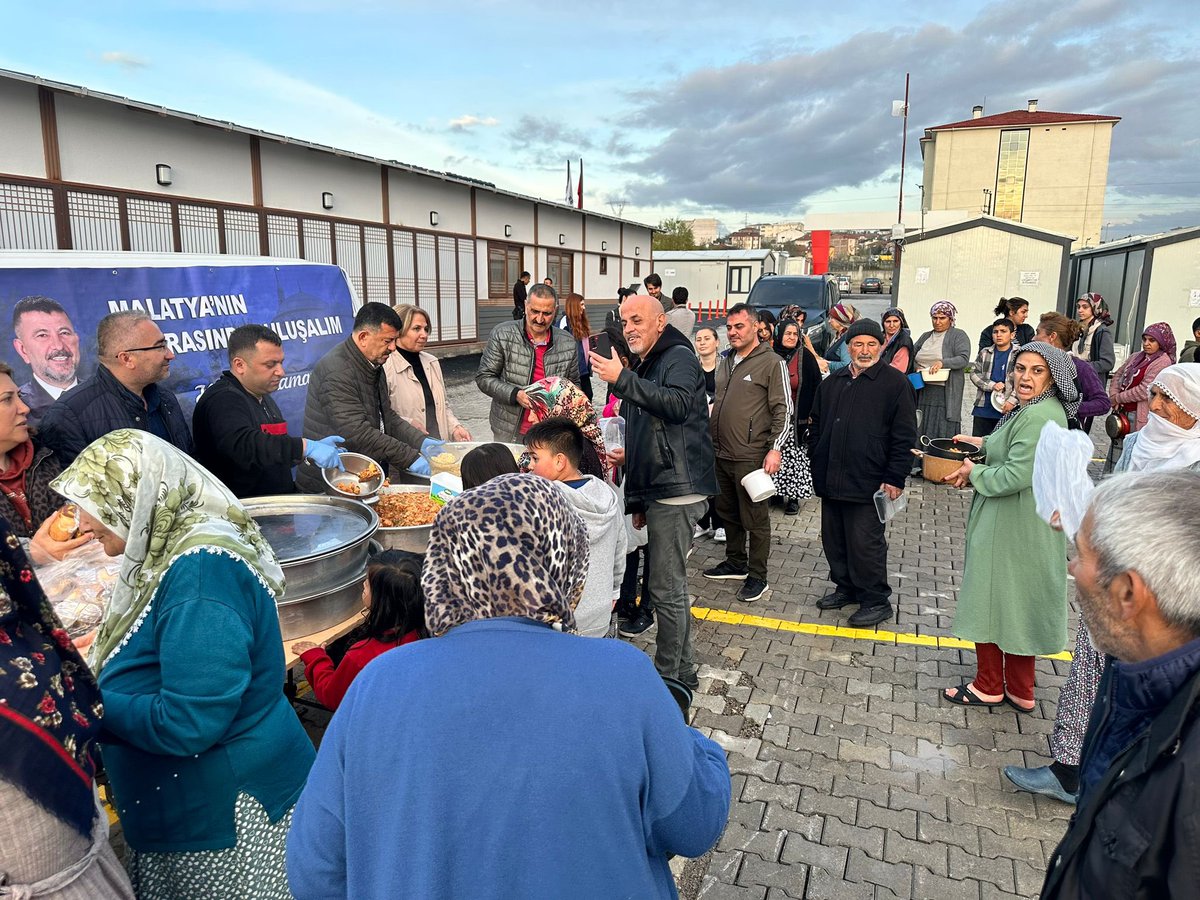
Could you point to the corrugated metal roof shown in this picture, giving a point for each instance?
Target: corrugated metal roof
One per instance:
(1187, 233)
(464, 180)
(1026, 118)
(714, 255)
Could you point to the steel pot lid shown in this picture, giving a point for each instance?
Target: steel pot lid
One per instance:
(303, 527)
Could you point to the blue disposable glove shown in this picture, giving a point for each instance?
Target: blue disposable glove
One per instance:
(420, 466)
(431, 445)
(325, 452)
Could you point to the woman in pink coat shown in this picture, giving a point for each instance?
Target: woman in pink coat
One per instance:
(1129, 389)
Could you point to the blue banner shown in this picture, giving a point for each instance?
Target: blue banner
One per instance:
(310, 306)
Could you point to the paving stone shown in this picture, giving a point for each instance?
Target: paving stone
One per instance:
(821, 803)
(766, 769)
(965, 836)
(896, 877)
(798, 849)
(991, 892)
(933, 856)
(934, 804)
(741, 839)
(782, 794)
(824, 886)
(1029, 878)
(784, 819)
(994, 846)
(996, 871)
(747, 747)
(712, 889)
(869, 840)
(873, 752)
(844, 786)
(929, 886)
(724, 864)
(901, 821)
(791, 879)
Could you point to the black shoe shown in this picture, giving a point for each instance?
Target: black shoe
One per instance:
(726, 571)
(871, 615)
(636, 625)
(752, 589)
(836, 600)
(792, 508)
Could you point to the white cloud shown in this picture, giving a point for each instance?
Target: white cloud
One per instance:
(467, 122)
(123, 59)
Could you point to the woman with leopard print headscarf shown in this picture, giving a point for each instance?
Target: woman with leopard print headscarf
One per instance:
(561, 762)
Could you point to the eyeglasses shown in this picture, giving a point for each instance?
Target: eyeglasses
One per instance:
(160, 347)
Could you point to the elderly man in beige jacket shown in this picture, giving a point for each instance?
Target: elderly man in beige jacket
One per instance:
(416, 387)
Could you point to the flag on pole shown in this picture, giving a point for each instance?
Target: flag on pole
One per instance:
(581, 183)
(570, 186)
(899, 109)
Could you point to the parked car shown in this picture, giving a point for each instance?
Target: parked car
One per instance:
(843, 283)
(871, 286)
(814, 293)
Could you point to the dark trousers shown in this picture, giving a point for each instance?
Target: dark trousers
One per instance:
(743, 518)
(710, 519)
(627, 603)
(982, 426)
(856, 551)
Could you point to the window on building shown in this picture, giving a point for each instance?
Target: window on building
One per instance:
(1010, 174)
(637, 268)
(604, 265)
(504, 268)
(739, 279)
(559, 267)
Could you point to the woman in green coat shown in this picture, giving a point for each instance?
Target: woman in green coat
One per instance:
(1014, 607)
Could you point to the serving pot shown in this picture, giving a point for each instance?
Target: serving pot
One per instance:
(322, 544)
(414, 538)
(942, 456)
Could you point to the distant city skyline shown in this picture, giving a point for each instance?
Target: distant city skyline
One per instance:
(683, 110)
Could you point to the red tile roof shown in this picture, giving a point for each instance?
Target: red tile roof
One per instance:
(1021, 117)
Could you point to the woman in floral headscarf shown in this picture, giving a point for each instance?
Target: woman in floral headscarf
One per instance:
(53, 833)
(554, 396)
(1013, 612)
(208, 757)
(837, 356)
(1130, 386)
(944, 347)
(515, 737)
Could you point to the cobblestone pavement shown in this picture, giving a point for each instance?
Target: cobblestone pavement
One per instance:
(850, 777)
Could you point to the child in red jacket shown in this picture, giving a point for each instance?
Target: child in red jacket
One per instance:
(395, 615)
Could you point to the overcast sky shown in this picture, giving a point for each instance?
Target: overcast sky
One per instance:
(747, 111)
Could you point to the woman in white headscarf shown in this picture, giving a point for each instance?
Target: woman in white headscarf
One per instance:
(1169, 440)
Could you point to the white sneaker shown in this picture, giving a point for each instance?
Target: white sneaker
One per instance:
(719, 535)
(701, 532)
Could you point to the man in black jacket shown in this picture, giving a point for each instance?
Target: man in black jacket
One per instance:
(240, 433)
(669, 466)
(348, 395)
(124, 392)
(1136, 832)
(864, 422)
(520, 292)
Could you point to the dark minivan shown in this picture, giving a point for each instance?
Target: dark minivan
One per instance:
(815, 293)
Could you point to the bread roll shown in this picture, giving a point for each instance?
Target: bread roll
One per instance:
(64, 526)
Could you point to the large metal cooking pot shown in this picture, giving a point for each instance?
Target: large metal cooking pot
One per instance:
(322, 544)
(948, 448)
(415, 538)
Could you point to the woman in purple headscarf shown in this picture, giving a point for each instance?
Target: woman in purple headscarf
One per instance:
(1130, 386)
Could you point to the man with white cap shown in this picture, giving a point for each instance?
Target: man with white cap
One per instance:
(863, 423)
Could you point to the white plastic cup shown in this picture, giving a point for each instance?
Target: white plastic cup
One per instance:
(759, 485)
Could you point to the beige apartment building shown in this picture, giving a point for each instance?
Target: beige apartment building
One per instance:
(1045, 169)
(704, 231)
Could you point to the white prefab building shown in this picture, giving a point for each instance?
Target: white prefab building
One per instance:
(975, 263)
(82, 170)
(1144, 280)
(716, 276)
